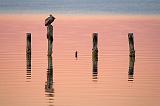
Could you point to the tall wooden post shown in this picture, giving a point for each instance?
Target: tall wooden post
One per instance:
(95, 55)
(131, 45)
(48, 22)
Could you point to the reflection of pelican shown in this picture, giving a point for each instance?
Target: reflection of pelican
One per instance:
(49, 20)
(49, 83)
(131, 69)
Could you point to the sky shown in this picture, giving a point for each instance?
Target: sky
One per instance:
(132, 7)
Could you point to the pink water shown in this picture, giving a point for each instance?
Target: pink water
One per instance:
(73, 82)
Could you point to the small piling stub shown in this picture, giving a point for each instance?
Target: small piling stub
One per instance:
(76, 54)
(28, 45)
(95, 48)
(131, 45)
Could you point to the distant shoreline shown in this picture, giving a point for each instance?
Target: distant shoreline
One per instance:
(72, 16)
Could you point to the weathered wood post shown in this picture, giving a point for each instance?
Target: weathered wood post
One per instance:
(48, 22)
(132, 56)
(95, 55)
(28, 45)
(28, 55)
(95, 48)
(131, 45)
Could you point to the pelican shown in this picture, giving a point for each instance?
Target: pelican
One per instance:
(49, 20)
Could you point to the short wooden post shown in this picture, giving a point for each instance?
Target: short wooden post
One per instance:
(28, 45)
(95, 55)
(95, 48)
(28, 50)
(48, 22)
(131, 45)
(76, 54)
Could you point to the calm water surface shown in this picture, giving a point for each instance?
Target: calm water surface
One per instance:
(72, 82)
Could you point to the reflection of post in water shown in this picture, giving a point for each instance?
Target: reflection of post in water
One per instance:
(95, 55)
(28, 55)
(49, 83)
(131, 69)
(95, 69)
(28, 63)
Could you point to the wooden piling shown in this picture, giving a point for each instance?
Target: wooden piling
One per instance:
(95, 55)
(28, 55)
(131, 45)
(28, 45)
(95, 48)
(50, 39)
(48, 22)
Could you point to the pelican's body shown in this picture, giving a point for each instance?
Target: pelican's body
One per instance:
(49, 20)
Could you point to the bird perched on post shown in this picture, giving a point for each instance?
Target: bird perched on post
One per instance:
(49, 20)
